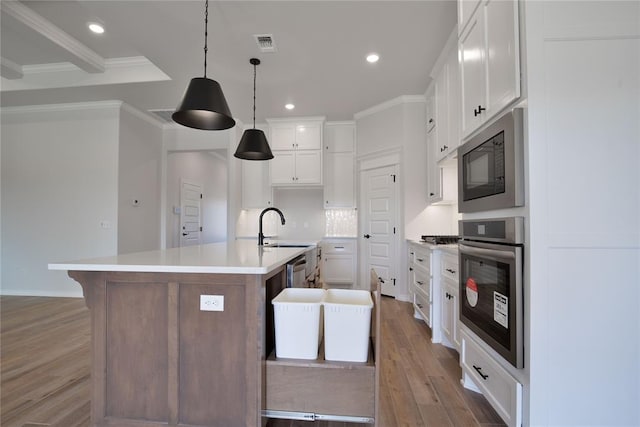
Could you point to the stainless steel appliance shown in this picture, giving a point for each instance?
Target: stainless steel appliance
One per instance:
(440, 239)
(491, 283)
(491, 166)
(296, 277)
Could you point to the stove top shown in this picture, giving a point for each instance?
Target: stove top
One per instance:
(440, 240)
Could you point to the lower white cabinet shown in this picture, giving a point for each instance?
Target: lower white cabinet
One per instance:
(499, 387)
(338, 262)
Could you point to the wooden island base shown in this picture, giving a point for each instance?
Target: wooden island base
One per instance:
(158, 360)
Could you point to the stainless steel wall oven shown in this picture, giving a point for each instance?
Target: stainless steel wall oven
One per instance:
(491, 283)
(490, 166)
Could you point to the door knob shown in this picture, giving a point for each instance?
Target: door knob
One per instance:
(366, 236)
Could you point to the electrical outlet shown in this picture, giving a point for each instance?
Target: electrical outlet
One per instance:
(211, 302)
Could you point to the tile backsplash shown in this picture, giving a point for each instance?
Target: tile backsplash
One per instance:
(341, 222)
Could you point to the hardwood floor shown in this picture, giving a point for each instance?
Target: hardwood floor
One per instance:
(44, 370)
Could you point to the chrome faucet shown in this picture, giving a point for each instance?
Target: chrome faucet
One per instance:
(260, 235)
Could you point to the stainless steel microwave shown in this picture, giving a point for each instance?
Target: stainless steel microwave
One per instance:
(491, 166)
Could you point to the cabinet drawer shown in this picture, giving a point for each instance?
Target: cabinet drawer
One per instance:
(422, 283)
(449, 267)
(343, 247)
(422, 305)
(421, 258)
(502, 391)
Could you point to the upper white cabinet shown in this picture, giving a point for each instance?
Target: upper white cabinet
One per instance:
(447, 104)
(489, 56)
(297, 151)
(339, 161)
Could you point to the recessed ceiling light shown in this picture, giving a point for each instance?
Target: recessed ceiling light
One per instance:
(96, 28)
(373, 57)
(289, 106)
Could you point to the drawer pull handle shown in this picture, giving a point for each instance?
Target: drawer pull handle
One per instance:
(451, 271)
(419, 282)
(484, 377)
(419, 305)
(338, 247)
(420, 259)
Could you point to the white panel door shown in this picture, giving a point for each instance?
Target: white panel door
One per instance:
(190, 210)
(378, 234)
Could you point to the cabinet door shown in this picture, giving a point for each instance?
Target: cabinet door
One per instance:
(446, 313)
(434, 182)
(339, 180)
(339, 138)
(453, 105)
(338, 269)
(282, 168)
(503, 54)
(283, 136)
(442, 112)
(308, 167)
(308, 136)
(431, 109)
(473, 73)
(256, 190)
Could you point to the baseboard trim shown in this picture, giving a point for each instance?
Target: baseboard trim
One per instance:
(40, 293)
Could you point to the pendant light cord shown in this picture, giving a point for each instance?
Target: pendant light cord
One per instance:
(254, 96)
(206, 22)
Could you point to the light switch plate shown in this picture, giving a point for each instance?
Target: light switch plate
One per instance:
(211, 302)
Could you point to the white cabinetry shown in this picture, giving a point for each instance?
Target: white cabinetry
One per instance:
(501, 389)
(449, 300)
(256, 191)
(489, 54)
(339, 171)
(421, 286)
(297, 151)
(338, 261)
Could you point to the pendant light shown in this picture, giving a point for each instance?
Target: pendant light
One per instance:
(253, 144)
(204, 106)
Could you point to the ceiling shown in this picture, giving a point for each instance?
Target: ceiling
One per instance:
(151, 49)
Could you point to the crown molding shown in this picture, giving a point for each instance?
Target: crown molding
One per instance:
(404, 99)
(143, 115)
(73, 106)
(9, 69)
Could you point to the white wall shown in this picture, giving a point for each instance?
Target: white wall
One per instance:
(209, 170)
(138, 178)
(59, 183)
(304, 212)
(584, 213)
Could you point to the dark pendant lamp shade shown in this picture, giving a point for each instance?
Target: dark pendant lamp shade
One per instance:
(204, 106)
(253, 144)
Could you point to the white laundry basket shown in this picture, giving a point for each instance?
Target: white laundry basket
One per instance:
(347, 323)
(298, 322)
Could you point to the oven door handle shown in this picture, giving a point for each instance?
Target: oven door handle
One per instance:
(493, 253)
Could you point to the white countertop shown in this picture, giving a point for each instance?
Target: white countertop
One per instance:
(236, 257)
(451, 248)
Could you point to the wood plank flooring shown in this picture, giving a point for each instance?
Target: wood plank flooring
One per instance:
(44, 370)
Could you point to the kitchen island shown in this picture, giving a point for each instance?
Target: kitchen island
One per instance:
(180, 336)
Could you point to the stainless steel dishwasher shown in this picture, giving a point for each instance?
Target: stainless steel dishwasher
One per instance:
(296, 277)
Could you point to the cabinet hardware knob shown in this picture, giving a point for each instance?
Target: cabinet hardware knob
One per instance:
(419, 282)
(366, 236)
(484, 377)
(420, 259)
(185, 234)
(480, 109)
(451, 271)
(419, 305)
(432, 194)
(410, 268)
(431, 120)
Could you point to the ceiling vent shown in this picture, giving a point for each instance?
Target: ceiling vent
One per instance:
(265, 43)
